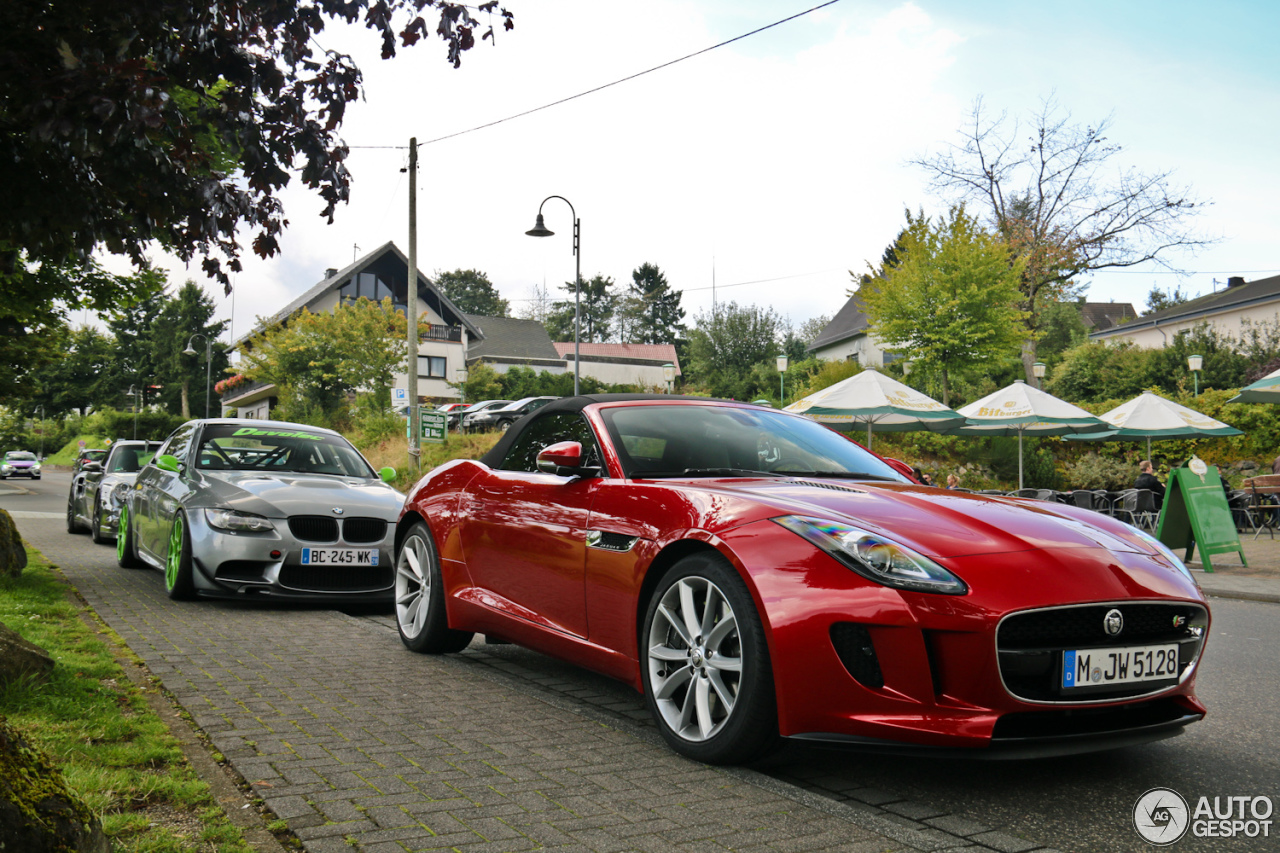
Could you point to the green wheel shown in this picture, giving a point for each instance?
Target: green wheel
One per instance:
(177, 563)
(126, 557)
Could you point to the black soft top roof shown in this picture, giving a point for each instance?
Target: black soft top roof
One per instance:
(576, 404)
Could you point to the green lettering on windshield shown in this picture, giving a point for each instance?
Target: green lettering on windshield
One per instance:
(277, 433)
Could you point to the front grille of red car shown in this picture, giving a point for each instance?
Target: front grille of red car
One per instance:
(336, 578)
(1030, 645)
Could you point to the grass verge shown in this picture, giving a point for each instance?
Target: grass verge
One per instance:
(98, 727)
(394, 452)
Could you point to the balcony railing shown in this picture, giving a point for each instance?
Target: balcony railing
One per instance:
(438, 332)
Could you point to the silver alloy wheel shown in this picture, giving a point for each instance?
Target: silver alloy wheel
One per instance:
(695, 659)
(413, 585)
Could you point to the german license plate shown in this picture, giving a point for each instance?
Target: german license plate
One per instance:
(339, 556)
(1105, 667)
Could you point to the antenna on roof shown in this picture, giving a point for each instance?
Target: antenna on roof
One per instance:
(355, 252)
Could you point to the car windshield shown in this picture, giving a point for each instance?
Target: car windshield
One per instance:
(226, 447)
(698, 440)
(129, 459)
(20, 456)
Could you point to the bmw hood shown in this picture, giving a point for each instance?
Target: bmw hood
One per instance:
(283, 495)
(945, 524)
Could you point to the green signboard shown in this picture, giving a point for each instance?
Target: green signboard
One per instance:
(432, 426)
(1196, 513)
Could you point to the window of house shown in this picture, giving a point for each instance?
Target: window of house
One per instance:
(432, 366)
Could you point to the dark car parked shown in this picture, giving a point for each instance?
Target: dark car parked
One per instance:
(99, 489)
(456, 415)
(502, 417)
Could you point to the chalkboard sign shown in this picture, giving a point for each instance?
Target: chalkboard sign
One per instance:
(1196, 513)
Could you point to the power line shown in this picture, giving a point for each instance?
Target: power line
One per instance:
(614, 83)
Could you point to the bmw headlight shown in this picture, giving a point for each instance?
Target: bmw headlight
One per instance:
(1167, 553)
(875, 557)
(229, 519)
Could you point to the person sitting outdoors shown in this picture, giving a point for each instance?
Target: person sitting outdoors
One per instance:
(953, 482)
(1147, 480)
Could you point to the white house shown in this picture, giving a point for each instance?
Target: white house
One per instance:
(1228, 311)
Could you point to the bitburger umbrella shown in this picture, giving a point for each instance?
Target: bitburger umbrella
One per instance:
(1265, 390)
(882, 403)
(1021, 409)
(1151, 416)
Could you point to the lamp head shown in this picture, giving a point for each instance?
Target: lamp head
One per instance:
(1038, 369)
(540, 229)
(189, 350)
(1195, 362)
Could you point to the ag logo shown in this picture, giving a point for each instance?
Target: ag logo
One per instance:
(1161, 816)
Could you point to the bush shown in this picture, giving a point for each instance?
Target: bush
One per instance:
(1098, 472)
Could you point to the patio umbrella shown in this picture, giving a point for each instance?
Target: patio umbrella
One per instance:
(881, 402)
(1265, 390)
(1021, 409)
(1151, 416)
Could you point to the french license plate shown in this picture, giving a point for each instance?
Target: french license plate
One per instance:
(339, 556)
(1129, 665)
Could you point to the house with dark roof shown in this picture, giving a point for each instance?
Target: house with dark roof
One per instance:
(1228, 311)
(848, 338)
(449, 339)
(1103, 315)
(641, 365)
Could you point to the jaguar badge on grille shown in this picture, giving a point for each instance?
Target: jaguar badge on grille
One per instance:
(1113, 622)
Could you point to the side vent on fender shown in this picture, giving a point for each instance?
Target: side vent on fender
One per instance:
(853, 644)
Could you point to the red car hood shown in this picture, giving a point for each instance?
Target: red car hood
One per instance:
(939, 523)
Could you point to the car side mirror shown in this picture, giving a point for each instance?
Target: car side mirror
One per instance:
(91, 466)
(387, 474)
(168, 463)
(564, 459)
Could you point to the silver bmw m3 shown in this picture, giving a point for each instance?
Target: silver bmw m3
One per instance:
(233, 508)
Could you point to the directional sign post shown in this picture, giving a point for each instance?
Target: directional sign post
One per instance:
(432, 426)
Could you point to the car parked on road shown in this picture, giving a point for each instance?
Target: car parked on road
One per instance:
(262, 509)
(19, 463)
(458, 416)
(755, 574)
(502, 417)
(99, 489)
(88, 454)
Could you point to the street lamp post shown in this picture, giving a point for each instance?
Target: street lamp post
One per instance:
(540, 230)
(460, 376)
(208, 366)
(669, 374)
(133, 392)
(41, 408)
(1195, 362)
(782, 381)
(1037, 370)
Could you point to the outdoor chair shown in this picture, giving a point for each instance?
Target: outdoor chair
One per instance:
(1141, 507)
(1264, 509)
(1241, 504)
(1046, 495)
(1025, 493)
(1124, 505)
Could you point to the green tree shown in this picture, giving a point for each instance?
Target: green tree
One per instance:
(597, 305)
(318, 360)
(1061, 328)
(1158, 300)
(726, 344)
(187, 313)
(950, 304)
(117, 117)
(473, 293)
(649, 312)
(1061, 204)
(80, 378)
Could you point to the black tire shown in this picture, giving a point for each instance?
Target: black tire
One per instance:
(178, 581)
(126, 554)
(503, 426)
(737, 721)
(420, 613)
(95, 526)
(73, 524)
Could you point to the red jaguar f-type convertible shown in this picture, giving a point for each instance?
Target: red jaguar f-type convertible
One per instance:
(757, 575)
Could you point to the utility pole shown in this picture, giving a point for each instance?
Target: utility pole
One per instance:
(411, 303)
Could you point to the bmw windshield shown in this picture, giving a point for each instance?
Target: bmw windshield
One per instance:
(225, 447)
(706, 440)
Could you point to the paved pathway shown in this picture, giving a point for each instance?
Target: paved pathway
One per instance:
(352, 739)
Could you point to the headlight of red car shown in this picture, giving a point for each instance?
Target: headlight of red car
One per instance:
(875, 557)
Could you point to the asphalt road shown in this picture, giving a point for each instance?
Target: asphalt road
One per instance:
(1074, 804)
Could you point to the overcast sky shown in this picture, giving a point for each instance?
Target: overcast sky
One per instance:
(774, 165)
